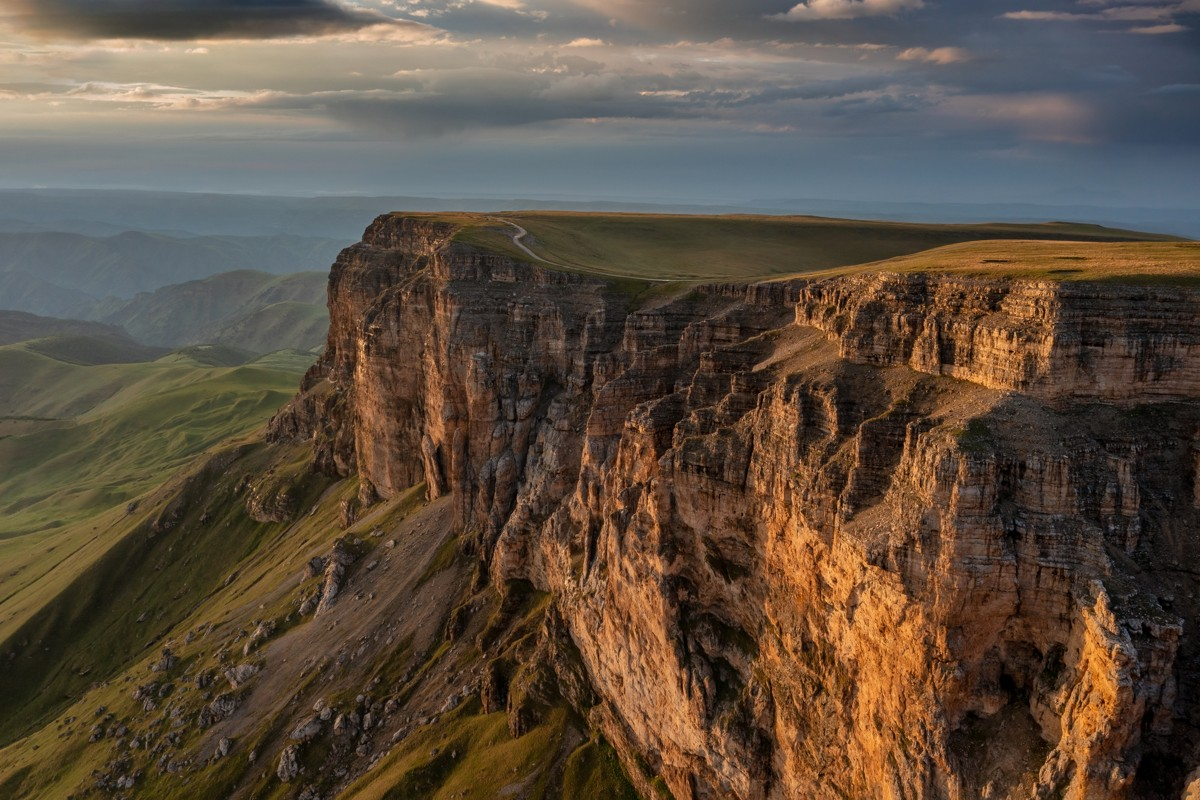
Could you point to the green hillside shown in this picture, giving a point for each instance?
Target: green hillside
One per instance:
(249, 309)
(1124, 262)
(78, 442)
(18, 326)
(690, 248)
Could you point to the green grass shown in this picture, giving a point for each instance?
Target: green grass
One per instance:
(445, 557)
(475, 759)
(93, 440)
(1146, 263)
(157, 418)
(89, 350)
(700, 248)
(594, 770)
(216, 566)
(147, 582)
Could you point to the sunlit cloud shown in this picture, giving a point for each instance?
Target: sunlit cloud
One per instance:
(847, 9)
(938, 55)
(1156, 30)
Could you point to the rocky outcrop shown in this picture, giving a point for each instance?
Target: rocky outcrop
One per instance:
(888, 536)
(1057, 341)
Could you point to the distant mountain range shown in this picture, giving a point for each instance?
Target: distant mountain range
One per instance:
(178, 269)
(251, 310)
(55, 273)
(19, 326)
(100, 212)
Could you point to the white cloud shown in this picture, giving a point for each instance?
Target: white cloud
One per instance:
(586, 42)
(938, 55)
(847, 9)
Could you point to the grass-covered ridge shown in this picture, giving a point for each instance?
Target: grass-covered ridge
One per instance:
(735, 248)
(1175, 263)
(250, 309)
(113, 431)
(81, 445)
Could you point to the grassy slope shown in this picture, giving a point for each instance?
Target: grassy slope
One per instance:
(215, 572)
(249, 309)
(665, 247)
(1139, 262)
(18, 326)
(275, 326)
(78, 443)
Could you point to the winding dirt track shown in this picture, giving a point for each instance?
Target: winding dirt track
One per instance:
(520, 233)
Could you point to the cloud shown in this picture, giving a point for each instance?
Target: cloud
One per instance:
(1156, 30)
(181, 20)
(938, 55)
(1177, 88)
(1162, 14)
(847, 9)
(1047, 16)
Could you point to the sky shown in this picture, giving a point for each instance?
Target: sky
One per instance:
(705, 101)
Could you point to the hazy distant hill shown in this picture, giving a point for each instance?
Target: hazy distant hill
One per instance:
(251, 310)
(52, 273)
(344, 217)
(18, 326)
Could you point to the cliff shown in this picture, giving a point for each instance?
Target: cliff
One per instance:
(889, 535)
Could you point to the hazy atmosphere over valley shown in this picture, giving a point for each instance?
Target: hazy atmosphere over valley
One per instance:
(599, 400)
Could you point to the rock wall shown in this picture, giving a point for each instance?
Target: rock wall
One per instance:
(880, 536)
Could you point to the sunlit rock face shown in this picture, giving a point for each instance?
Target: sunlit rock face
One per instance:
(879, 536)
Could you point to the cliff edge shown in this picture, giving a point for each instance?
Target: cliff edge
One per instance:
(908, 534)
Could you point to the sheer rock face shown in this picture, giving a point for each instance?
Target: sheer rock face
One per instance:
(1060, 342)
(880, 536)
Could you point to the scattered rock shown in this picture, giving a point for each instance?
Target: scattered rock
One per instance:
(342, 556)
(166, 661)
(241, 674)
(289, 766)
(349, 512)
(220, 708)
(346, 724)
(309, 604)
(306, 731)
(224, 745)
(260, 635)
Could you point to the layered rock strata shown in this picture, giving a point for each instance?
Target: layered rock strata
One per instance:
(898, 536)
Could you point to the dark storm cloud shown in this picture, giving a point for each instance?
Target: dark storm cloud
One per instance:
(181, 20)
